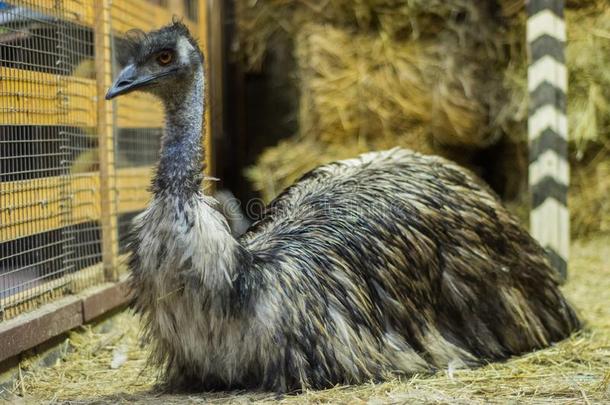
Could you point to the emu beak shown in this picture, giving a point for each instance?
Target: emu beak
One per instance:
(127, 81)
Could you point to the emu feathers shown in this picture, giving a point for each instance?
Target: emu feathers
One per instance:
(388, 263)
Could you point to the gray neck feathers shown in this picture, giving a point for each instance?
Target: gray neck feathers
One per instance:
(180, 168)
(214, 254)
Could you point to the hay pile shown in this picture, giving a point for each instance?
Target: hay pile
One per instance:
(588, 55)
(574, 371)
(369, 87)
(590, 194)
(260, 21)
(443, 77)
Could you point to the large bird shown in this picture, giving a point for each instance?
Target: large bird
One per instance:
(388, 263)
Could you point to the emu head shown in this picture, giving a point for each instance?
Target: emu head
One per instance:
(164, 62)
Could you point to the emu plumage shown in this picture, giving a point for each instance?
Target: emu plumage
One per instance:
(388, 263)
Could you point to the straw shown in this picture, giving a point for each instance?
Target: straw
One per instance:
(576, 370)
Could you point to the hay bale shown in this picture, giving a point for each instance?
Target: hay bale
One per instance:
(370, 86)
(259, 21)
(589, 200)
(588, 58)
(461, 41)
(379, 69)
(280, 166)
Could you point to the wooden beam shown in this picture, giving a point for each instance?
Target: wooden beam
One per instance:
(132, 187)
(141, 14)
(36, 98)
(103, 299)
(103, 70)
(29, 207)
(55, 318)
(34, 206)
(31, 329)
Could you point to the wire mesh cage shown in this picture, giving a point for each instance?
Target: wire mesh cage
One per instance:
(74, 169)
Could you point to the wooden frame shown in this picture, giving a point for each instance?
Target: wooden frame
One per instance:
(55, 318)
(34, 328)
(42, 99)
(204, 42)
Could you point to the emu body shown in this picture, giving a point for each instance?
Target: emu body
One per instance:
(388, 263)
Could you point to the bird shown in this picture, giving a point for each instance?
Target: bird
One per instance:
(387, 264)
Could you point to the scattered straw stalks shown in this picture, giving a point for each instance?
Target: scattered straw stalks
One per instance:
(576, 370)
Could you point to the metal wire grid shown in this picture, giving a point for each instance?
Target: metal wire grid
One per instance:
(138, 119)
(42, 107)
(50, 237)
(137, 151)
(84, 236)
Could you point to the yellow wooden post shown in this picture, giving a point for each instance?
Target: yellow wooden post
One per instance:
(106, 143)
(204, 40)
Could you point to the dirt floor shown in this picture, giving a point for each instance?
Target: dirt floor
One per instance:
(107, 364)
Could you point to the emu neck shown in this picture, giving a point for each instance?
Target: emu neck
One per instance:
(180, 168)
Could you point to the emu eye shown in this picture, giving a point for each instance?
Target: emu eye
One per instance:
(165, 58)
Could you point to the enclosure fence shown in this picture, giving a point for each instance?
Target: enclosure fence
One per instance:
(74, 169)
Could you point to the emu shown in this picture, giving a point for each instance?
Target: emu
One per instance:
(389, 263)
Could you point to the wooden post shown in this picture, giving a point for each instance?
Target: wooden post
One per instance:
(215, 56)
(548, 130)
(103, 66)
(204, 40)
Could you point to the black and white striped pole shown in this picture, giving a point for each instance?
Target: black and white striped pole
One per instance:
(548, 130)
